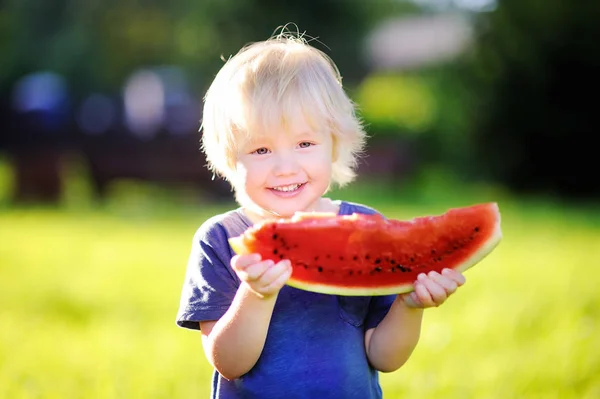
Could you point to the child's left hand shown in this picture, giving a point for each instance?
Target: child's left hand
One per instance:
(433, 289)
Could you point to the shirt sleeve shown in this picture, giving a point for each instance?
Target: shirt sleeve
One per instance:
(378, 309)
(210, 284)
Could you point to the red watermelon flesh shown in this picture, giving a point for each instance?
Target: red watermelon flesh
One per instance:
(370, 255)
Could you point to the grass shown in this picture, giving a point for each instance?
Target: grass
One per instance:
(89, 296)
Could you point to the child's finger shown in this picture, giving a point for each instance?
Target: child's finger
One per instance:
(240, 262)
(446, 282)
(436, 291)
(273, 273)
(412, 300)
(423, 295)
(279, 280)
(255, 271)
(459, 278)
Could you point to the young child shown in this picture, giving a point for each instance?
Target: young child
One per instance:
(280, 128)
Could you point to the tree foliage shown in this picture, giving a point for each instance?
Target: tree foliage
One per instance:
(534, 71)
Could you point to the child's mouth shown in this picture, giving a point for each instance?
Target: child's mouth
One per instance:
(287, 191)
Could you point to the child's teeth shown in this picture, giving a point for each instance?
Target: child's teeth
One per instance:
(291, 187)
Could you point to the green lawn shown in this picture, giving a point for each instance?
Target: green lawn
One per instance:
(88, 301)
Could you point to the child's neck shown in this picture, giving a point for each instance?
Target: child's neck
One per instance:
(256, 214)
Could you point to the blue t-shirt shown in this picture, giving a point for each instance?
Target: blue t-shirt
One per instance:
(315, 342)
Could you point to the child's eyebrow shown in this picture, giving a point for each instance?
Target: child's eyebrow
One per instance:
(308, 134)
(257, 141)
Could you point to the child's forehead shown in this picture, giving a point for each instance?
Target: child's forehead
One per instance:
(296, 130)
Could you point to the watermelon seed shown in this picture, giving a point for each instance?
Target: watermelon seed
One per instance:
(376, 270)
(439, 259)
(392, 261)
(350, 272)
(316, 258)
(476, 229)
(320, 269)
(275, 236)
(433, 251)
(367, 257)
(377, 261)
(355, 257)
(280, 256)
(275, 251)
(412, 259)
(341, 258)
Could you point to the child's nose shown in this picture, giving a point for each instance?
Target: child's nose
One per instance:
(286, 164)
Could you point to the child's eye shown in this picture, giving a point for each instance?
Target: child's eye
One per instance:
(260, 151)
(305, 144)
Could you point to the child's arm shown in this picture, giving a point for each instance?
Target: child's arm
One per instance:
(391, 343)
(234, 343)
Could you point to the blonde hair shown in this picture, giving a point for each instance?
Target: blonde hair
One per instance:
(263, 88)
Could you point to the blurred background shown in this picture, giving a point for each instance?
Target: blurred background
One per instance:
(102, 183)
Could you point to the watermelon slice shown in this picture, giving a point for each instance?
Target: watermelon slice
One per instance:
(369, 255)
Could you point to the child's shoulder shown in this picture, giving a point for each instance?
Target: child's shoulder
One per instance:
(222, 226)
(349, 207)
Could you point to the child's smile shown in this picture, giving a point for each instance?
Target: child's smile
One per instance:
(289, 190)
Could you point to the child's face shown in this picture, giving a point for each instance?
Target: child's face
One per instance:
(285, 172)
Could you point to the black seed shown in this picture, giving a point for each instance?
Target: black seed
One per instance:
(367, 257)
(320, 269)
(350, 272)
(392, 261)
(355, 257)
(476, 229)
(275, 251)
(281, 256)
(275, 236)
(377, 261)
(393, 270)
(433, 251)
(378, 269)
(412, 259)
(439, 259)
(316, 258)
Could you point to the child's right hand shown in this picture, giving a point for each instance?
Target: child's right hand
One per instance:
(264, 277)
